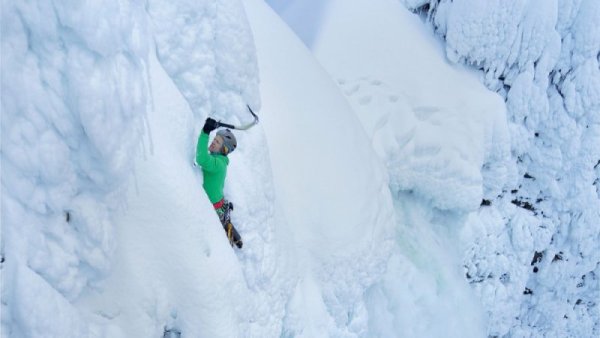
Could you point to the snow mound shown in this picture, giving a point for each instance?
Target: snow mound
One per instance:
(329, 185)
(439, 131)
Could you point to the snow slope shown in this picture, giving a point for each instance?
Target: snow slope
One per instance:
(332, 188)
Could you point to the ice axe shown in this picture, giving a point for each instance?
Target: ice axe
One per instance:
(242, 127)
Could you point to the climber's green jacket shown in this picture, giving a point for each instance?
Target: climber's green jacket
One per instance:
(214, 169)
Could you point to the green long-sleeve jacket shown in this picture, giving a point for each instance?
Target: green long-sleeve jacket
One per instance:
(214, 169)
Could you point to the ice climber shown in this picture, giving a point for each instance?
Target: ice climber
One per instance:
(213, 160)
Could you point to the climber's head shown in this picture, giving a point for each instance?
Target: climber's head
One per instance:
(224, 143)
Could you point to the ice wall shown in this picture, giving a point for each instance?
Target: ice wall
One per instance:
(542, 234)
(73, 107)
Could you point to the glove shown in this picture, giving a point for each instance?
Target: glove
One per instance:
(209, 125)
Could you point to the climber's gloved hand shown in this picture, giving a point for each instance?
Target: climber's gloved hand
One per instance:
(210, 125)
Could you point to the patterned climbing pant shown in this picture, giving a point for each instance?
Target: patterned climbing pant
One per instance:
(224, 213)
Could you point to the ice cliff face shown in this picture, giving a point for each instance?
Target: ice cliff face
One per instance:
(73, 107)
(542, 234)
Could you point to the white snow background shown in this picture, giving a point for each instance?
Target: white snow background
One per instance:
(359, 195)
